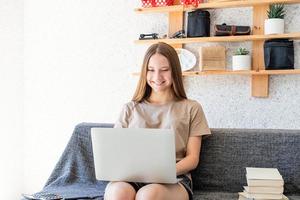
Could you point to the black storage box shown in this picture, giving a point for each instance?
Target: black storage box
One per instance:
(279, 54)
(198, 24)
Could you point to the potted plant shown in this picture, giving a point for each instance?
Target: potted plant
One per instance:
(275, 23)
(241, 60)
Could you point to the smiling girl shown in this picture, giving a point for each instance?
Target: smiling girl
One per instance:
(161, 102)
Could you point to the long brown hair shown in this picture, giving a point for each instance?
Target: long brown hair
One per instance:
(143, 90)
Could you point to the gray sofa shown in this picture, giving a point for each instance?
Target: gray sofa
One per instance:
(220, 174)
(225, 155)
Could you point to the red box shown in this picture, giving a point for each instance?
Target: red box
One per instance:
(156, 3)
(191, 2)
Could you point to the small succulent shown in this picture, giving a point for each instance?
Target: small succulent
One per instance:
(241, 51)
(276, 11)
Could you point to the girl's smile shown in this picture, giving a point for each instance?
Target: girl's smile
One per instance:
(159, 75)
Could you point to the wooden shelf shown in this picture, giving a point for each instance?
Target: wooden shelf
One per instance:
(243, 3)
(217, 72)
(175, 8)
(229, 4)
(246, 72)
(279, 72)
(259, 76)
(222, 39)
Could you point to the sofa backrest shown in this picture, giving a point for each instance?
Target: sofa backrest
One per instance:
(227, 152)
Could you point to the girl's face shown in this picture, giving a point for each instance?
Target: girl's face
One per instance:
(159, 75)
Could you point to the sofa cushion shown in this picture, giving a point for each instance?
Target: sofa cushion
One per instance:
(227, 152)
(215, 196)
(198, 195)
(293, 197)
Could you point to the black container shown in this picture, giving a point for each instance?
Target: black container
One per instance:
(198, 24)
(279, 54)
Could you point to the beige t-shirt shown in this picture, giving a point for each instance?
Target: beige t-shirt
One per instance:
(185, 117)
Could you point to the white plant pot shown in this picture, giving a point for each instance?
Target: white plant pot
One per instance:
(274, 26)
(241, 62)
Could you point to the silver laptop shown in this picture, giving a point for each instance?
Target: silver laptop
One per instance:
(134, 155)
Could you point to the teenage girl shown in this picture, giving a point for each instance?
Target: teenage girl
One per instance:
(161, 102)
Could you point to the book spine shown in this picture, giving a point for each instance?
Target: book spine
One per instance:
(266, 183)
(266, 190)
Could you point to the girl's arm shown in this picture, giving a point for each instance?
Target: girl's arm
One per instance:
(191, 160)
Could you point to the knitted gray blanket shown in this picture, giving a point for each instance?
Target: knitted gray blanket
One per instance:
(74, 175)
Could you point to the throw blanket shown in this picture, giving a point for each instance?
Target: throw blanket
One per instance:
(74, 175)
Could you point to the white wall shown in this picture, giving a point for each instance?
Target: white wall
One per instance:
(77, 69)
(79, 56)
(11, 98)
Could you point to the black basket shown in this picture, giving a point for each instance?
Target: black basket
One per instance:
(198, 24)
(279, 54)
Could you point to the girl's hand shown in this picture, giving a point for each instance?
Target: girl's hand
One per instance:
(191, 160)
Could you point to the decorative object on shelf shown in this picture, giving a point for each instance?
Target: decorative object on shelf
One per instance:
(198, 24)
(212, 58)
(191, 2)
(187, 59)
(179, 34)
(156, 3)
(279, 54)
(241, 60)
(275, 23)
(227, 30)
(149, 36)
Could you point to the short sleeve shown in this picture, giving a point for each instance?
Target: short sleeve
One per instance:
(122, 121)
(198, 124)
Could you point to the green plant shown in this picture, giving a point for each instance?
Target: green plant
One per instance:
(241, 51)
(276, 11)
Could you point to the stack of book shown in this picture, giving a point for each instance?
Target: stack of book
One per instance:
(263, 184)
